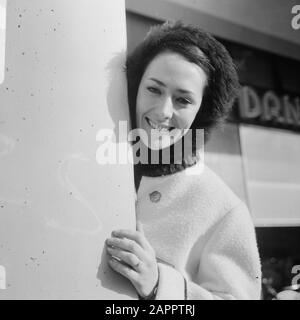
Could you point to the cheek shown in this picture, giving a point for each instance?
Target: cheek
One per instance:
(139, 106)
(143, 104)
(186, 118)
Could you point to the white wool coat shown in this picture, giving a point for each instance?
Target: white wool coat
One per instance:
(203, 236)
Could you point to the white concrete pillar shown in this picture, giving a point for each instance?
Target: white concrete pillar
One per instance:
(63, 83)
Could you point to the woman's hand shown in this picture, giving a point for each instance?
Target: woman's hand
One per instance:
(131, 255)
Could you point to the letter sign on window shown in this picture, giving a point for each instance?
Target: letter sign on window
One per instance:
(296, 18)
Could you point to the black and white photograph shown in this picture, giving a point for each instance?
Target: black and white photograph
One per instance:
(150, 150)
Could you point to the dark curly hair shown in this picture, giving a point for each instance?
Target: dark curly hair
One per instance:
(196, 46)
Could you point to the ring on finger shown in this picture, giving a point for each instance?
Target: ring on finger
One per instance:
(137, 264)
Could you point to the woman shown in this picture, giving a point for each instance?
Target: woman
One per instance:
(195, 239)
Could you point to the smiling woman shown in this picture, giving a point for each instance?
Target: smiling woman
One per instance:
(194, 237)
(169, 97)
(2, 37)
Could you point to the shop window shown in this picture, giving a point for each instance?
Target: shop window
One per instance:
(279, 249)
(2, 37)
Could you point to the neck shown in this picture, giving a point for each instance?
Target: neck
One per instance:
(161, 167)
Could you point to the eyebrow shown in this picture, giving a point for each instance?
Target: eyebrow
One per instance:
(158, 81)
(164, 85)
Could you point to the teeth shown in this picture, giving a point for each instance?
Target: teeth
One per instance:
(156, 126)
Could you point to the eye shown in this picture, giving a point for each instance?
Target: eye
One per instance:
(183, 101)
(154, 90)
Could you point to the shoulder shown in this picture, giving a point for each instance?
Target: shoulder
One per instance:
(205, 183)
(232, 214)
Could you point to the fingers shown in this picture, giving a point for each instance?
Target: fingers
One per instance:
(137, 236)
(127, 257)
(127, 245)
(123, 269)
(132, 256)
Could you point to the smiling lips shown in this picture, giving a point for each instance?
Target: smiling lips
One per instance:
(160, 127)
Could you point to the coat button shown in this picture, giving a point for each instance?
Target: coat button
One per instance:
(155, 196)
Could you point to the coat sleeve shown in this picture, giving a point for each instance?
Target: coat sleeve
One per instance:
(229, 265)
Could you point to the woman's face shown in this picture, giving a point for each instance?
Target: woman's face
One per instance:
(169, 97)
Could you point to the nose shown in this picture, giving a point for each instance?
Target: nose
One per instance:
(165, 110)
